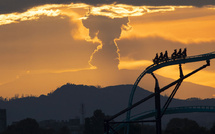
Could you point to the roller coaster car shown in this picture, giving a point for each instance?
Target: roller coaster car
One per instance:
(176, 56)
(165, 57)
(159, 60)
(179, 55)
(156, 61)
(184, 53)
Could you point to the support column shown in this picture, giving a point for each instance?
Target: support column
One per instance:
(157, 106)
(106, 126)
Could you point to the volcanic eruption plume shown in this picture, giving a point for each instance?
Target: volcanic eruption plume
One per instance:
(107, 30)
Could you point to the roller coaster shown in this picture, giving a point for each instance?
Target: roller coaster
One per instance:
(159, 112)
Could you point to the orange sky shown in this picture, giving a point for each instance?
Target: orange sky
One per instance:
(48, 46)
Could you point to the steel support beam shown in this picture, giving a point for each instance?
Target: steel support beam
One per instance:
(182, 77)
(157, 106)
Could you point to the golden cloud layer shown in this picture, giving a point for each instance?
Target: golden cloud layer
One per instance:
(145, 20)
(31, 14)
(113, 11)
(185, 26)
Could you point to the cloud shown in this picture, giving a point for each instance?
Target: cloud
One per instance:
(32, 14)
(186, 29)
(122, 10)
(106, 29)
(137, 53)
(8, 6)
(44, 44)
(145, 48)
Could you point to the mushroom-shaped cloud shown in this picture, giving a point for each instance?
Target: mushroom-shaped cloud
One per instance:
(107, 30)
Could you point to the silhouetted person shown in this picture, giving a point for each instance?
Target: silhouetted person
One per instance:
(179, 53)
(161, 57)
(173, 56)
(166, 55)
(155, 60)
(184, 53)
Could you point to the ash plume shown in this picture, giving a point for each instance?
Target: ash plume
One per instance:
(107, 30)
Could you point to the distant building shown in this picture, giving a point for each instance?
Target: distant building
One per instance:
(3, 120)
(74, 125)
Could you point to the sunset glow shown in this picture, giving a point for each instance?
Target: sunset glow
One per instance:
(203, 77)
(31, 14)
(174, 30)
(54, 44)
(131, 64)
(121, 10)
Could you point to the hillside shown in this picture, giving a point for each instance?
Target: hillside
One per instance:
(65, 103)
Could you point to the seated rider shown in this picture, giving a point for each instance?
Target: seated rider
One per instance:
(161, 57)
(173, 56)
(179, 53)
(166, 56)
(155, 60)
(184, 53)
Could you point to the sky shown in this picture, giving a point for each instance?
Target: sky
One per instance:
(45, 44)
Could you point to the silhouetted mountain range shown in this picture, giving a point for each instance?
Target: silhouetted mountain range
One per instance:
(65, 103)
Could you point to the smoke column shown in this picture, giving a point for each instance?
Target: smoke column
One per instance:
(107, 30)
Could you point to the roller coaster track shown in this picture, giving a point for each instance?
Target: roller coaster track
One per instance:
(175, 110)
(154, 67)
(172, 110)
(169, 62)
(165, 110)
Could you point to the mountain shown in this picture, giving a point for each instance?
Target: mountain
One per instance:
(65, 103)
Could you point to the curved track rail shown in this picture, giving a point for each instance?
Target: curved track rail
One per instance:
(172, 110)
(175, 110)
(154, 67)
(165, 110)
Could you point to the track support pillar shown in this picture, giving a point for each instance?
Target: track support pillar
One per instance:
(157, 106)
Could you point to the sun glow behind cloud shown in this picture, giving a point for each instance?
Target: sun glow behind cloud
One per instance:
(31, 14)
(168, 29)
(121, 10)
(180, 29)
(36, 12)
(173, 30)
(113, 11)
(176, 26)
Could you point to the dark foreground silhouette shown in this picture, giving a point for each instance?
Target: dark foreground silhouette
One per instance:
(94, 125)
(65, 103)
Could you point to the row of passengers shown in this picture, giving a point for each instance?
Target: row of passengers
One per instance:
(175, 55)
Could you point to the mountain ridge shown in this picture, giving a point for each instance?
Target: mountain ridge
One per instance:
(27, 85)
(64, 103)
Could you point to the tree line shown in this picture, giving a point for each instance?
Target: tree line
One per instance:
(95, 125)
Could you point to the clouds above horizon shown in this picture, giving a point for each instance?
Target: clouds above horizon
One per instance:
(51, 42)
(143, 50)
(106, 30)
(9, 6)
